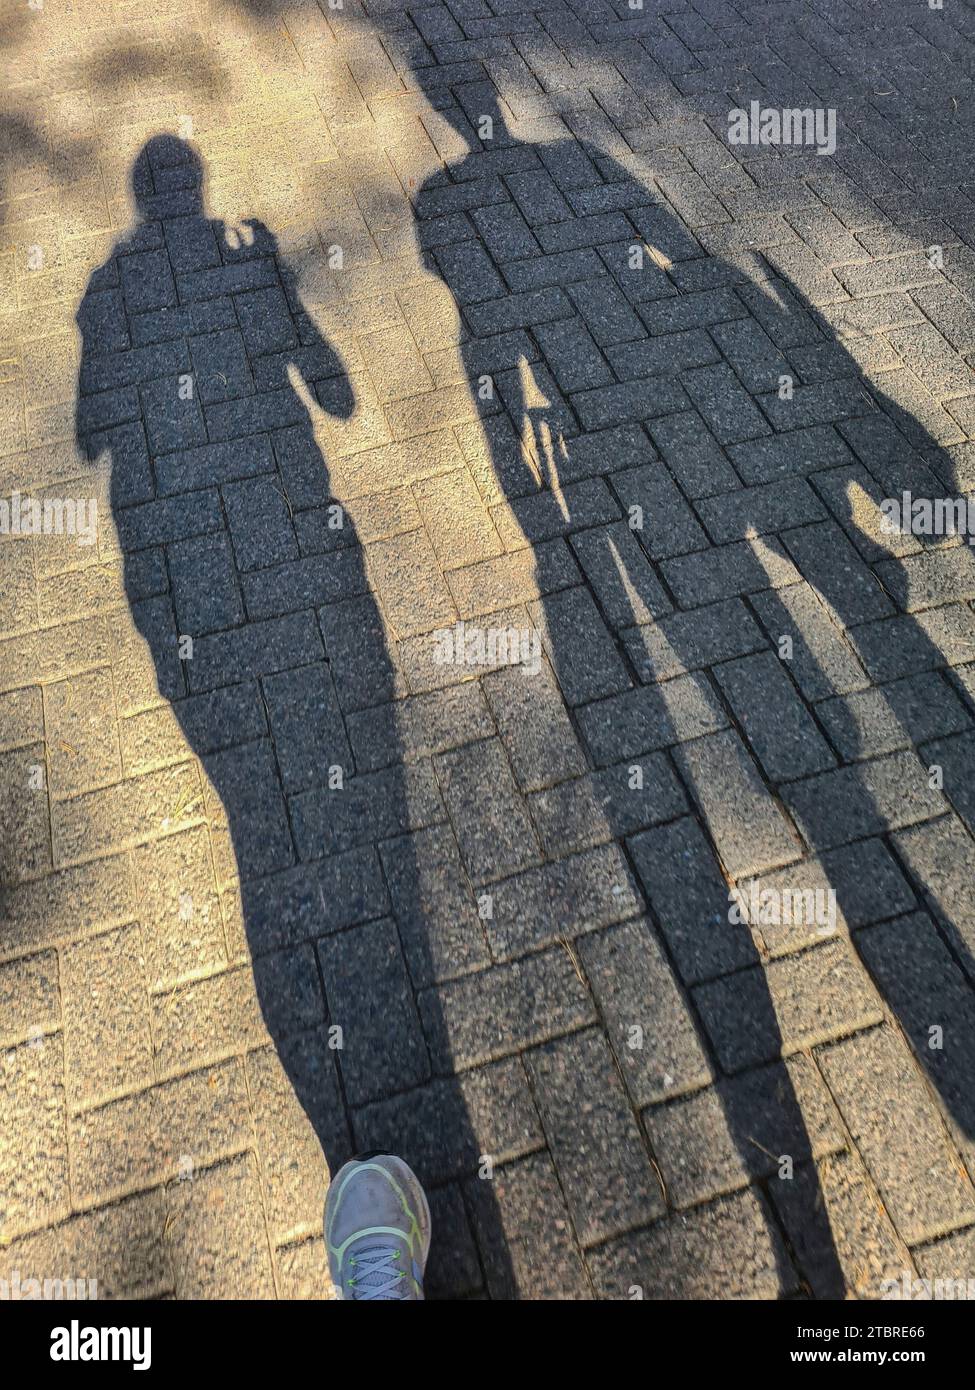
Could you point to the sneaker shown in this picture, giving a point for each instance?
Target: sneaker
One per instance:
(377, 1229)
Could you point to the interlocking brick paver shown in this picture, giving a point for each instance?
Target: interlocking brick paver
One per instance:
(893, 716)
(218, 1240)
(860, 1244)
(124, 1242)
(617, 800)
(902, 1140)
(727, 1249)
(889, 793)
(498, 840)
(346, 365)
(199, 1117)
(351, 965)
(598, 1151)
(776, 722)
(729, 1134)
(534, 725)
(647, 1015)
(107, 1038)
(526, 1238)
(681, 642)
(659, 716)
(796, 1002)
(749, 830)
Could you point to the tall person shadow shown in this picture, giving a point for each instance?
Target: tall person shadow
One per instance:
(672, 624)
(202, 388)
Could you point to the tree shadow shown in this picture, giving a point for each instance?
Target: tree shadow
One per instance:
(635, 675)
(204, 385)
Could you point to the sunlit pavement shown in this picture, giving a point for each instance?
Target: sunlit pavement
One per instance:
(459, 692)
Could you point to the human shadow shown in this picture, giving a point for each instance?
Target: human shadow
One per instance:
(556, 307)
(205, 386)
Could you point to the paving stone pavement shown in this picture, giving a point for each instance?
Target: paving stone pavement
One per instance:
(376, 331)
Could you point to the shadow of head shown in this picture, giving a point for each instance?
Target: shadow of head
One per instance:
(167, 163)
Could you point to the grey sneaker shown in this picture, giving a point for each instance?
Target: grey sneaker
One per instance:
(377, 1229)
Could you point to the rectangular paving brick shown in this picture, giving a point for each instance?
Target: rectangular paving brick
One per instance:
(889, 717)
(683, 642)
(657, 512)
(305, 583)
(652, 717)
(758, 510)
(541, 516)
(292, 1132)
(851, 886)
(900, 646)
(729, 570)
(373, 805)
(306, 725)
(886, 794)
(414, 728)
(632, 400)
(941, 859)
(899, 1133)
(560, 899)
(278, 644)
(435, 906)
(535, 727)
(446, 1127)
(647, 1015)
(107, 1040)
(29, 998)
(728, 1249)
(612, 803)
(573, 356)
(779, 728)
(597, 1148)
(922, 983)
(734, 1132)
(692, 455)
(179, 907)
(667, 354)
(524, 1233)
(839, 1229)
(587, 664)
(34, 1160)
(608, 316)
(726, 407)
(829, 562)
(205, 1021)
(491, 820)
(205, 587)
(933, 577)
(218, 1238)
(82, 732)
(502, 1010)
(199, 1117)
(689, 896)
(410, 585)
(21, 717)
(798, 452)
(787, 1006)
(489, 585)
(131, 812)
(369, 998)
(822, 662)
(749, 829)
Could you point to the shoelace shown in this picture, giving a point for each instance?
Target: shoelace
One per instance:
(381, 1279)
